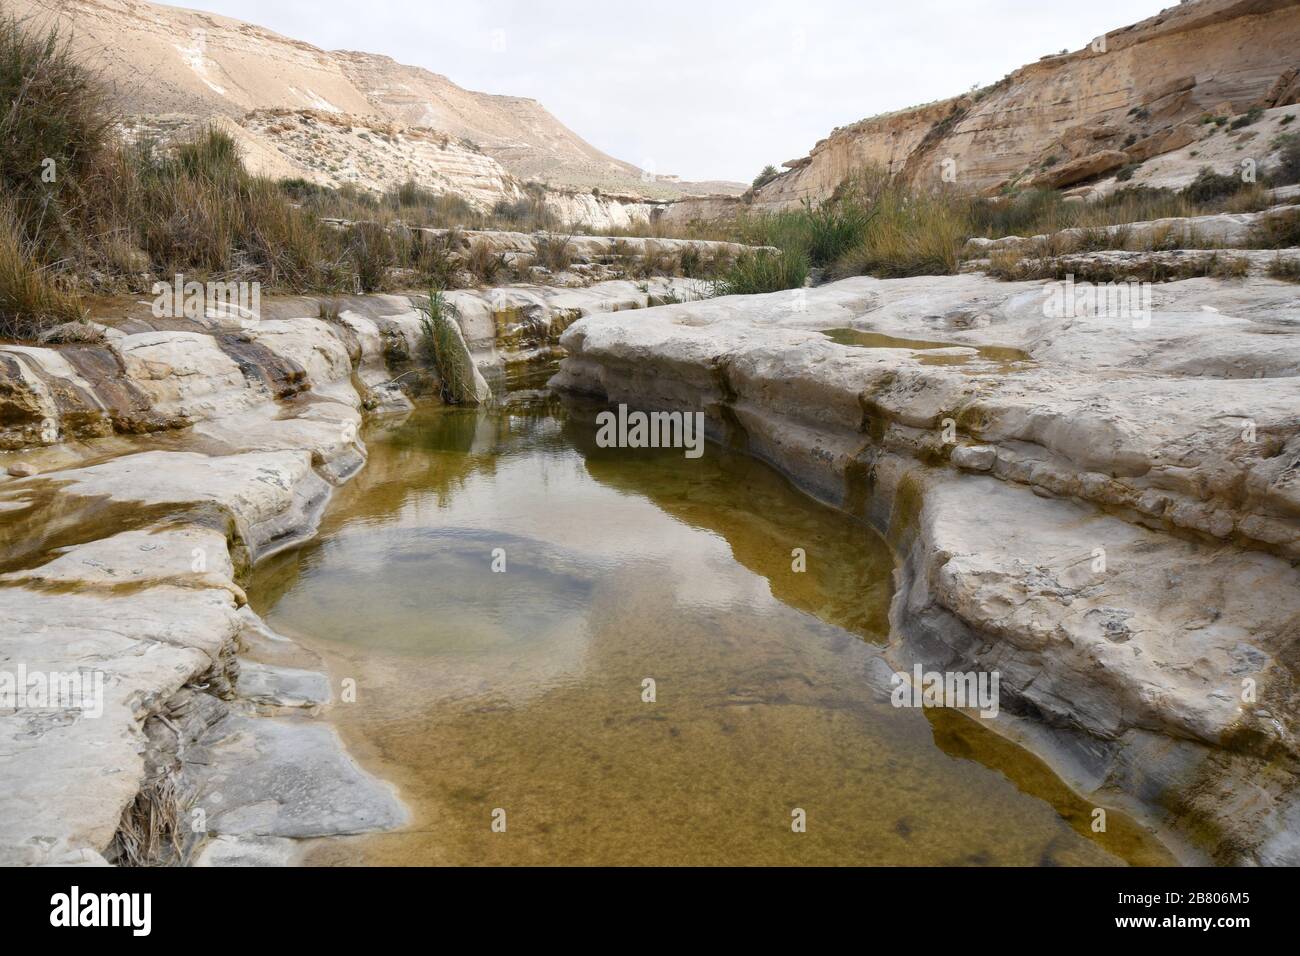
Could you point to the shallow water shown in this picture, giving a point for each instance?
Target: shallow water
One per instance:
(522, 690)
(1002, 356)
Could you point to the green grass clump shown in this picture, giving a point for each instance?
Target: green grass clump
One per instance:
(444, 349)
(763, 271)
(553, 252)
(1288, 270)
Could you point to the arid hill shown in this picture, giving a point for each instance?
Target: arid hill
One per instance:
(1143, 99)
(172, 68)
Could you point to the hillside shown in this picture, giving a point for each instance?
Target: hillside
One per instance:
(1078, 117)
(173, 67)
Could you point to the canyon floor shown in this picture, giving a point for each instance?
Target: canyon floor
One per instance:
(1101, 502)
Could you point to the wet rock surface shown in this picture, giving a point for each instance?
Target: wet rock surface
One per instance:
(124, 557)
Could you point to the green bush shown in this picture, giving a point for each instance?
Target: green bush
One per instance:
(55, 127)
(768, 174)
(1286, 171)
(444, 350)
(1209, 186)
(763, 271)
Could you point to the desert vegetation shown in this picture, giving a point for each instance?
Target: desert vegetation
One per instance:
(876, 225)
(443, 348)
(82, 212)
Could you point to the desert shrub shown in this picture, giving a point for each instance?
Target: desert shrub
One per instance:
(1228, 267)
(370, 249)
(329, 310)
(553, 252)
(212, 157)
(1288, 270)
(1286, 170)
(302, 190)
(763, 271)
(411, 194)
(1023, 214)
(484, 264)
(692, 261)
(1279, 230)
(717, 261)
(834, 228)
(526, 214)
(1250, 116)
(32, 298)
(443, 348)
(659, 262)
(698, 262)
(910, 233)
(1209, 186)
(55, 128)
(433, 257)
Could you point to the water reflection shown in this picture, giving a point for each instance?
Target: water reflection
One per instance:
(523, 690)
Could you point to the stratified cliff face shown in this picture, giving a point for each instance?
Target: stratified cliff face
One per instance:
(334, 116)
(1136, 92)
(518, 132)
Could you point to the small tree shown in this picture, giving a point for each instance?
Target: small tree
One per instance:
(768, 174)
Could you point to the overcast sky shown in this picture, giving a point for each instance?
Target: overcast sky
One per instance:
(706, 89)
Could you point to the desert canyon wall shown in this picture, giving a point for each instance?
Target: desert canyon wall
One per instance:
(1135, 93)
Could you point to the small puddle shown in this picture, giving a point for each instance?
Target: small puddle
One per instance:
(997, 354)
(523, 690)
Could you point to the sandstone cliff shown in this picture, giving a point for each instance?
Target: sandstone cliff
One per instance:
(1135, 93)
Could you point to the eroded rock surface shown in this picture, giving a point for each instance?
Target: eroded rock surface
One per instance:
(1104, 509)
(126, 542)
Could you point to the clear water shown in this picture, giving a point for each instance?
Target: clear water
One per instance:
(523, 691)
(1001, 356)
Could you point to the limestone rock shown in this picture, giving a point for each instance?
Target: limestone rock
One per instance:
(974, 457)
(1284, 91)
(1122, 639)
(284, 777)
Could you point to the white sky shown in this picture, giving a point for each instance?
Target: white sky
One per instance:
(706, 89)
